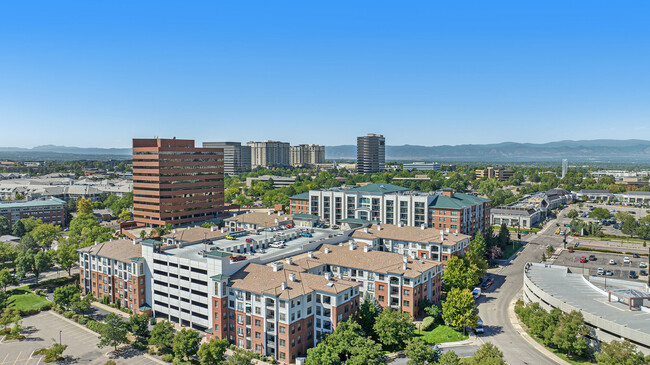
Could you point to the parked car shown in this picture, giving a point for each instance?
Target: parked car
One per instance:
(583, 259)
(476, 293)
(277, 244)
(479, 328)
(609, 273)
(571, 249)
(643, 273)
(642, 264)
(250, 240)
(626, 260)
(592, 257)
(201, 252)
(601, 271)
(633, 275)
(307, 234)
(238, 258)
(636, 255)
(612, 262)
(229, 237)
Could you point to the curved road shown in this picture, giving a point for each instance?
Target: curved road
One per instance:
(508, 284)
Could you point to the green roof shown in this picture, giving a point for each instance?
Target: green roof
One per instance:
(301, 196)
(379, 188)
(305, 216)
(219, 277)
(151, 242)
(218, 253)
(144, 307)
(8, 204)
(459, 201)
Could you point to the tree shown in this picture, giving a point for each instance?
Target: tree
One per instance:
(24, 263)
(18, 229)
(570, 332)
(620, 352)
(162, 335)
(8, 253)
(45, 234)
(5, 228)
(459, 310)
(81, 305)
(139, 325)
(487, 354)
(113, 333)
(449, 358)
(84, 206)
(346, 344)
(85, 230)
(504, 236)
(66, 255)
(6, 279)
(9, 316)
(64, 295)
(240, 357)
(186, 343)
(460, 273)
(494, 252)
(434, 310)
(600, 213)
(367, 314)
(42, 263)
(419, 353)
(394, 328)
(572, 214)
(477, 253)
(213, 352)
(124, 216)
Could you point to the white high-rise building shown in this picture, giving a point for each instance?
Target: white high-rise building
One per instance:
(565, 166)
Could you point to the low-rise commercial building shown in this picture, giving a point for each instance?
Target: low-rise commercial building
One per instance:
(277, 181)
(257, 220)
(515, 216)
(635, 197)
(498, 173)
(51, 210)
(422, 166)
(594, 194)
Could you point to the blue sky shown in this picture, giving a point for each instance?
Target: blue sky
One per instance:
(98, 73)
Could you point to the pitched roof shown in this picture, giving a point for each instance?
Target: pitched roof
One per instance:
(194, 234)
(375, 261)
(258, 278)
(301, 196)
(262, 219)
(458, 201)
(7, 204)
(408, 233)
(121, 250)
(378, 188)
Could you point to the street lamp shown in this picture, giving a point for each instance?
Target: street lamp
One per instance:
(60, 337)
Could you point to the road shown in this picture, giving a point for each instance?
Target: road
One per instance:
(493, 306)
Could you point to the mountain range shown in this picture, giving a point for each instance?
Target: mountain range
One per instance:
(600, 150)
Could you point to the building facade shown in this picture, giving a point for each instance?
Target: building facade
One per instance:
(269, 154)
(371, 153)
(498, 173)
(421, 166)
(306, 155)
(175, 182)
(51, 210)
(236, 158)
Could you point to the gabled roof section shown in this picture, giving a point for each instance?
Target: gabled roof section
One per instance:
(301, 196)
(378, 188)
(458, 201)
(121, 250)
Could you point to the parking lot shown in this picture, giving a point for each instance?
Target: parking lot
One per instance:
(43, 329)
(620, 270)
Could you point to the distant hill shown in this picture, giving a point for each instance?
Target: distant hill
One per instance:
(63, 153)
(602, 150)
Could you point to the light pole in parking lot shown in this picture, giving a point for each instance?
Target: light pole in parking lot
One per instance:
(60, 331)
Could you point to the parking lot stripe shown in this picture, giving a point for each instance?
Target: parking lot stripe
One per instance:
(17, 357)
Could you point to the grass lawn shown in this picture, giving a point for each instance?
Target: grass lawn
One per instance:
(510, 250)
(441, 334)
(23, 299)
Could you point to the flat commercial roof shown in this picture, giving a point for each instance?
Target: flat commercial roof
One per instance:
(574, 291)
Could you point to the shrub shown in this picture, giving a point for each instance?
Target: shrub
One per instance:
(38, 291)
(152, 321)
(139, 345)
(83, 320)
(427, 323)
(167, 357)
(110, 362)
(68, 314)
(76, 317)
(152, 351)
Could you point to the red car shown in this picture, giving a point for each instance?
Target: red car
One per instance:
(249, 240)
(571, 249)
(238, 258)
(583, 259)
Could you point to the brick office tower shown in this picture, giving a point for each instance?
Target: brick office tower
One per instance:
(175, 182)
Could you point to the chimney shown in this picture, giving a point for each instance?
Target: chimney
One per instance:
(365, 230)
(174, 230)
(292, 277)
(404, 266)
(277, 266)
(276, 221)
(447, 230)
(442, 235)
(213, 228)
(448, 192)
(366, 248)
(327, 250)
(284, 285)
(405, 259)
(96, 242)
(286, 218)
(289, 261)
(310, 254)
(423, 227)
(328, 276)
(351, 246)
(134, 242)
(400, 224)
(379, 227)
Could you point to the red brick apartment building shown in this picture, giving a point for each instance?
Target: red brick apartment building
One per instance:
(51, 210)
(175, 182)
(115, 269)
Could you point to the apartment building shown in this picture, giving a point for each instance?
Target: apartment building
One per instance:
(236, 158)
(299, 204)
(395, 281)
(371, 153)
(116, 270)
(414, 242)
(175, 182)
(51, 210)
(269, 154)
(306, 155)
(390, 204)
(498, 173)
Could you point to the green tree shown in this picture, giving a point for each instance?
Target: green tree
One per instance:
(31, 223)
(18, 229)
(81, 305)
(477, 253)
(367, 314)
(186, 343)
(8, 253)
(419, 353)
(213, 352)
(600, 213)
(5, 228)
(449, 358)
(459, 310)
(460, 273)
(84, 206)
(394, 328)
(125, 215)
(572, 214)
(504, 236)
(9, 315)
(45, 234)
(24, 263)
(569, 334)
(139, 326)
(113, 333)
(240, 357)
(6, 279)
(162, 335)
(85, 230)
(620, 353)
(64, 295)
(346, 344)
(487, 354)
(42, 263)
(66, 255)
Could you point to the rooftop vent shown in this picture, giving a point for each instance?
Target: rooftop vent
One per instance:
(405, 259)
(328, 276)
(310, 254)
(292, 277)
(422, 226)
(277, 266)
(289, 261)
(366, 248)
(284, 285)
(379, 227)
(327, 250)
(365, 230)
(404, 265)
(330, 284)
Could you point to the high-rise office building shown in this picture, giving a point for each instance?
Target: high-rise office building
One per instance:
(175, 182)
(306, 155)
(565, 167)
(236, 158)
(269, 154)
(371, 153)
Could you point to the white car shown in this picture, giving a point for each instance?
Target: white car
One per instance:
(612, 262)
(601, 271)
(476, 293)
(278, 244)
(626, 260)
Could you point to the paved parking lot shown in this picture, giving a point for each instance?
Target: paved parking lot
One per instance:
(620, 269)
(43, 329)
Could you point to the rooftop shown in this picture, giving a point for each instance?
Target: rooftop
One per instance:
(121, 250)
(258, 278)
(261, 219)
(10, 204)
(408, 233)
(375, 261)
(458, 201)
(301, 196)
(378, 188)
(194, 234)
